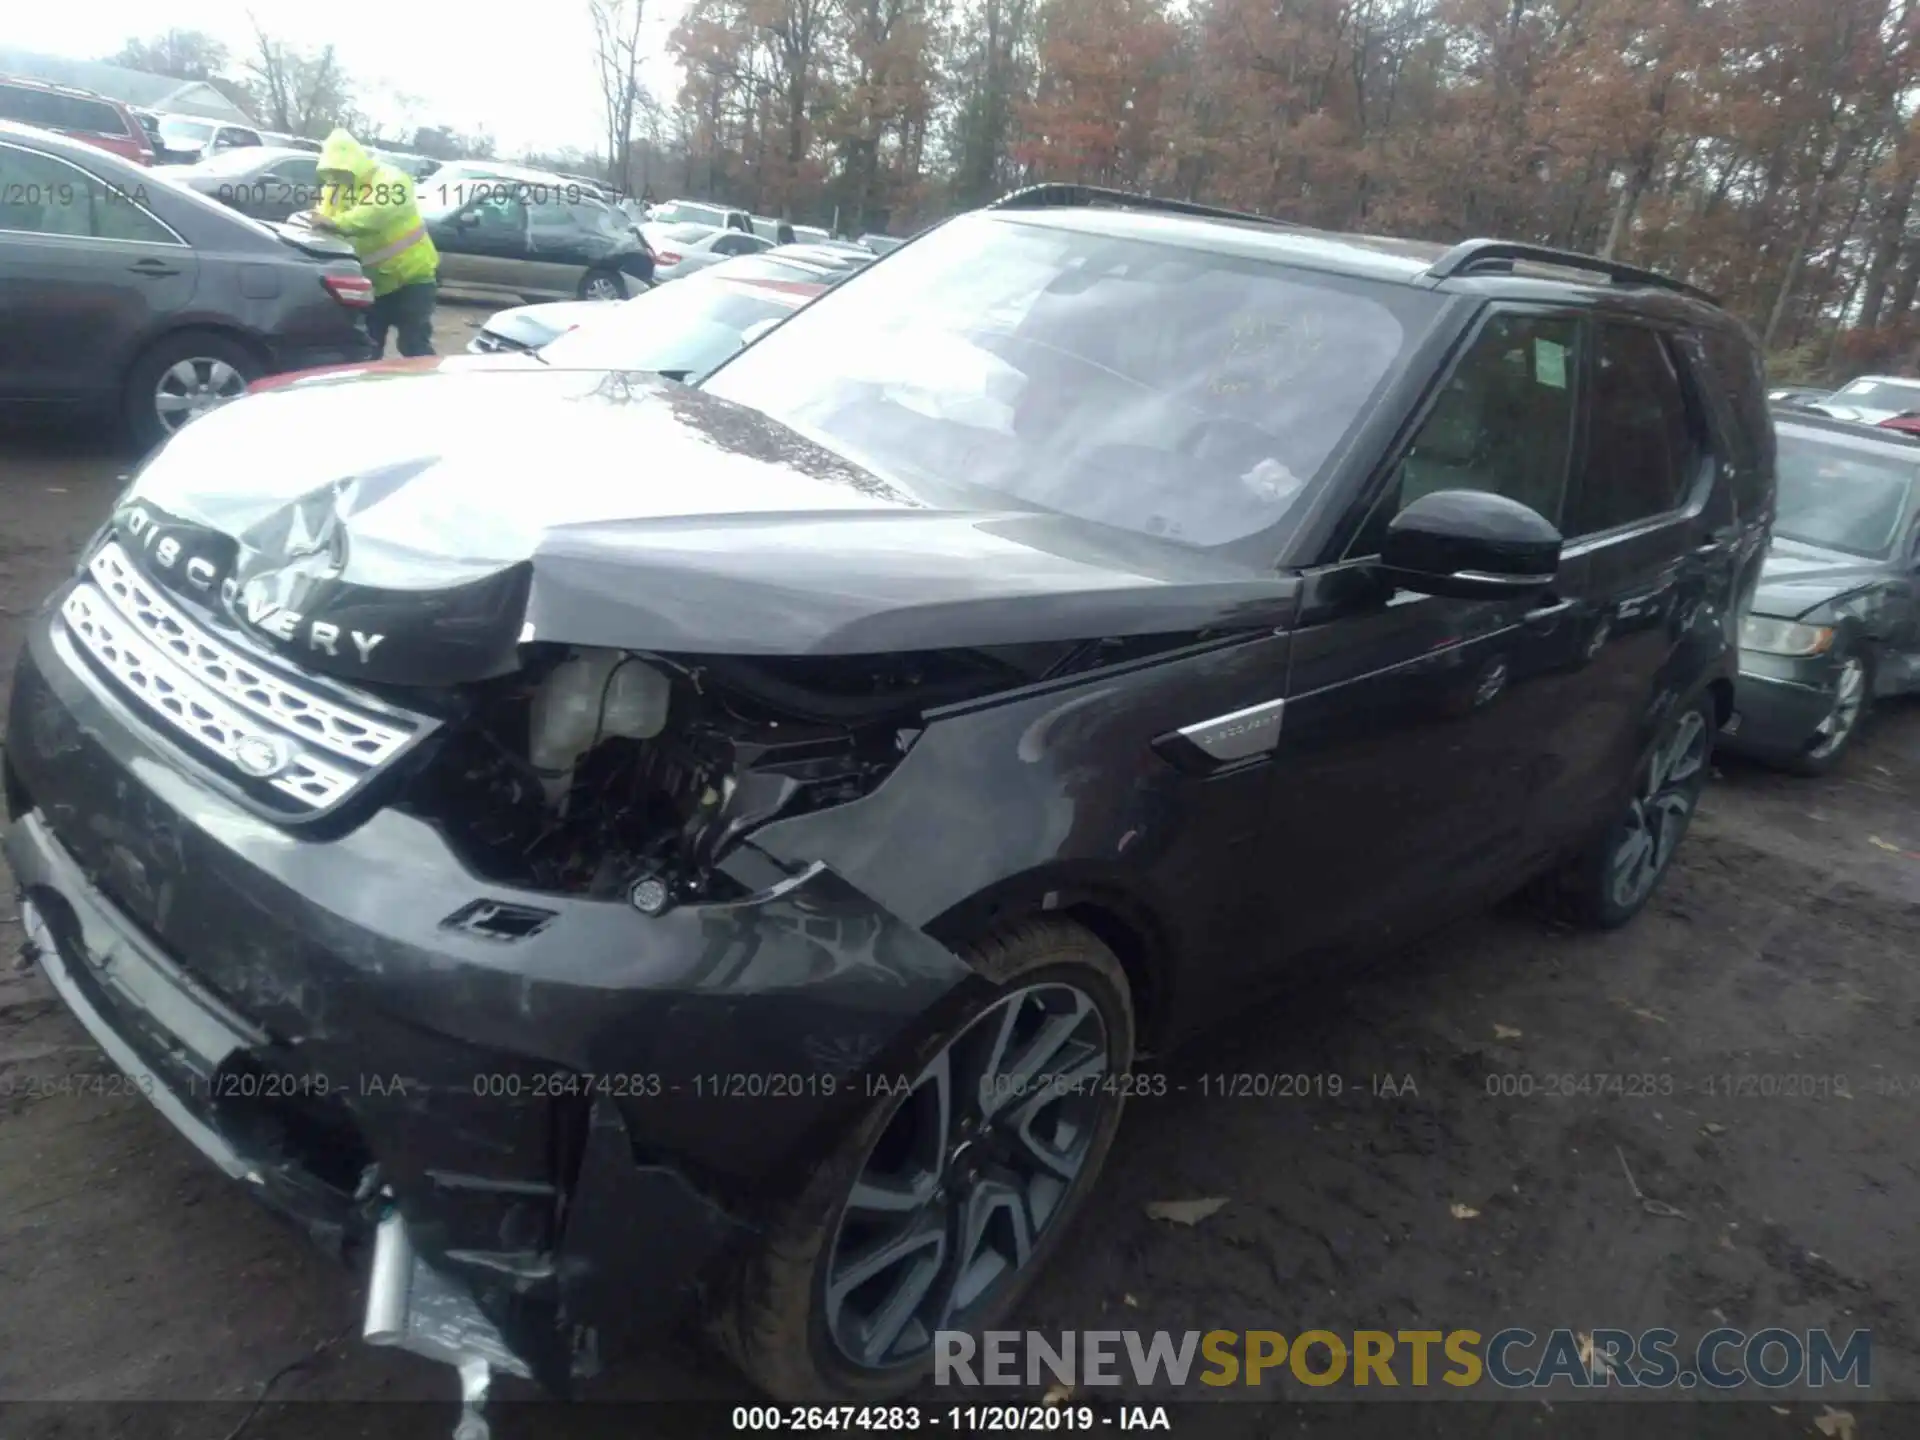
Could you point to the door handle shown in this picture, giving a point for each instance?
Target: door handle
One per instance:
(153, 267)
(1553, 610)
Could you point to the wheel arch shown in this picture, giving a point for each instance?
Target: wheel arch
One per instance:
(1110, 910)
(252, 343)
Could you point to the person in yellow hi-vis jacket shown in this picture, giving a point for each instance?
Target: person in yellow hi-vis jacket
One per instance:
(372, 206)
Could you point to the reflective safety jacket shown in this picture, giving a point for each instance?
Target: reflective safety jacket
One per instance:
(377, 213)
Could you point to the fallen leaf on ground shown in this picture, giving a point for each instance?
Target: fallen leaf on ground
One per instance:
(1184, 1212)
(1834, 1424)
(1464, 1212)
(1505, 1032)
(1645, 1014)
(1714, 1129)
(1595, 1362)
(1780, 1409)
(1058, 1395)
(1129, 1300)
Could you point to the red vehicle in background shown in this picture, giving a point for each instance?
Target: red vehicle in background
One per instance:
(79, 114)
(1907, 424)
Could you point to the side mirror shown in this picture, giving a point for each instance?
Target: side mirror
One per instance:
(1470, 544)
(467, 218)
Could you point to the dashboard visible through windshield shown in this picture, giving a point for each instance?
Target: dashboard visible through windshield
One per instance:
(1169, 391)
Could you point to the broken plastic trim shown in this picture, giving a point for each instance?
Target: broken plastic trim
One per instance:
(411, 1306)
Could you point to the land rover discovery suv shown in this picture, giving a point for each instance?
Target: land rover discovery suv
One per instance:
(749, 833)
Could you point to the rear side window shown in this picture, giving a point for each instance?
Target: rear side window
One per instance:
(1643, 450)
(29, 107)
(40, 195)
(92, 116)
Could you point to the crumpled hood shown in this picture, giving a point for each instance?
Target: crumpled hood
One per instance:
(418, 529)
(1798, 577)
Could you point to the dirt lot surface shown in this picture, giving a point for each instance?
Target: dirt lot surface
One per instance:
(1782, 950)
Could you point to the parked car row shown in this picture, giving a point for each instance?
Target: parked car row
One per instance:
(125, 294)
(77, 114)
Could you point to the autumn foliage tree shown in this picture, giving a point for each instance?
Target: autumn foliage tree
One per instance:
(1768, 150)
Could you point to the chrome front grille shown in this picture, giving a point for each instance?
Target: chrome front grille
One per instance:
(259, 726)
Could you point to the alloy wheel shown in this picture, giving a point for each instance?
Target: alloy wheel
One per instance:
(1849, 699)
(602, 287)
(969, 1171)
(1658, 815)
(194, 386)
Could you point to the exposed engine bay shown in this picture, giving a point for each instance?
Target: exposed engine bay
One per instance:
(593, 771)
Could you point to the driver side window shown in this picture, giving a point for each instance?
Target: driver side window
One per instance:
(501, 212)
(1502, 423)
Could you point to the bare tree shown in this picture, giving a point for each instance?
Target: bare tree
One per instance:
(183, 54)
(300, 92)
(617, 27)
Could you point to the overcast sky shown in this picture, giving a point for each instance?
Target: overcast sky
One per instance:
(530, 81)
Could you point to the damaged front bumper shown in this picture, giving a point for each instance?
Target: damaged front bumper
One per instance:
(559, 1129)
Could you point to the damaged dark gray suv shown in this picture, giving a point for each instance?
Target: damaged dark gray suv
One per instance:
(602, 853)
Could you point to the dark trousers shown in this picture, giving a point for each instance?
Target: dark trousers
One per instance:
(408, 310)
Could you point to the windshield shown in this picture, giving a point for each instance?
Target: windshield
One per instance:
(685, 234)
(1840, 497)
(683, 210)
(765, 267)
(1171, 391)
(239, 162)
(686, 328)
(193, 132)
(1880, 395)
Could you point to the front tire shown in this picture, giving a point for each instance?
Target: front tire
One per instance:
(1612, 881)
(941, 1207)
(182, 376)
(1852, 698)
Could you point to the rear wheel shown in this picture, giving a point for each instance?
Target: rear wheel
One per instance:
(1852, 696)
(940, 1208)
(1612, 881)
(603, 285)
(183, 376)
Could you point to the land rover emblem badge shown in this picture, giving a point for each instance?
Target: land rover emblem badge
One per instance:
(262, 756)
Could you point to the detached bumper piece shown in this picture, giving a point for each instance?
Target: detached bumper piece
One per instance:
(176, 1040)
(410, 1306)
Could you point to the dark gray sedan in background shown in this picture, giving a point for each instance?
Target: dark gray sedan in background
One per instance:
(265, 182)
(123, 292)
(1836, 620)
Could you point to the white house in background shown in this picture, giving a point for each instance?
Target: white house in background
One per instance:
(132, 87)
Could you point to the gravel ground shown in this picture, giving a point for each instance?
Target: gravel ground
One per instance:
(1783, 944)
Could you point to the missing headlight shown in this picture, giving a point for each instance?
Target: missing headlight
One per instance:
(600, 772)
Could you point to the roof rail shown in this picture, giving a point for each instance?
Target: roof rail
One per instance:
(1470, 256)
(1060, 196)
